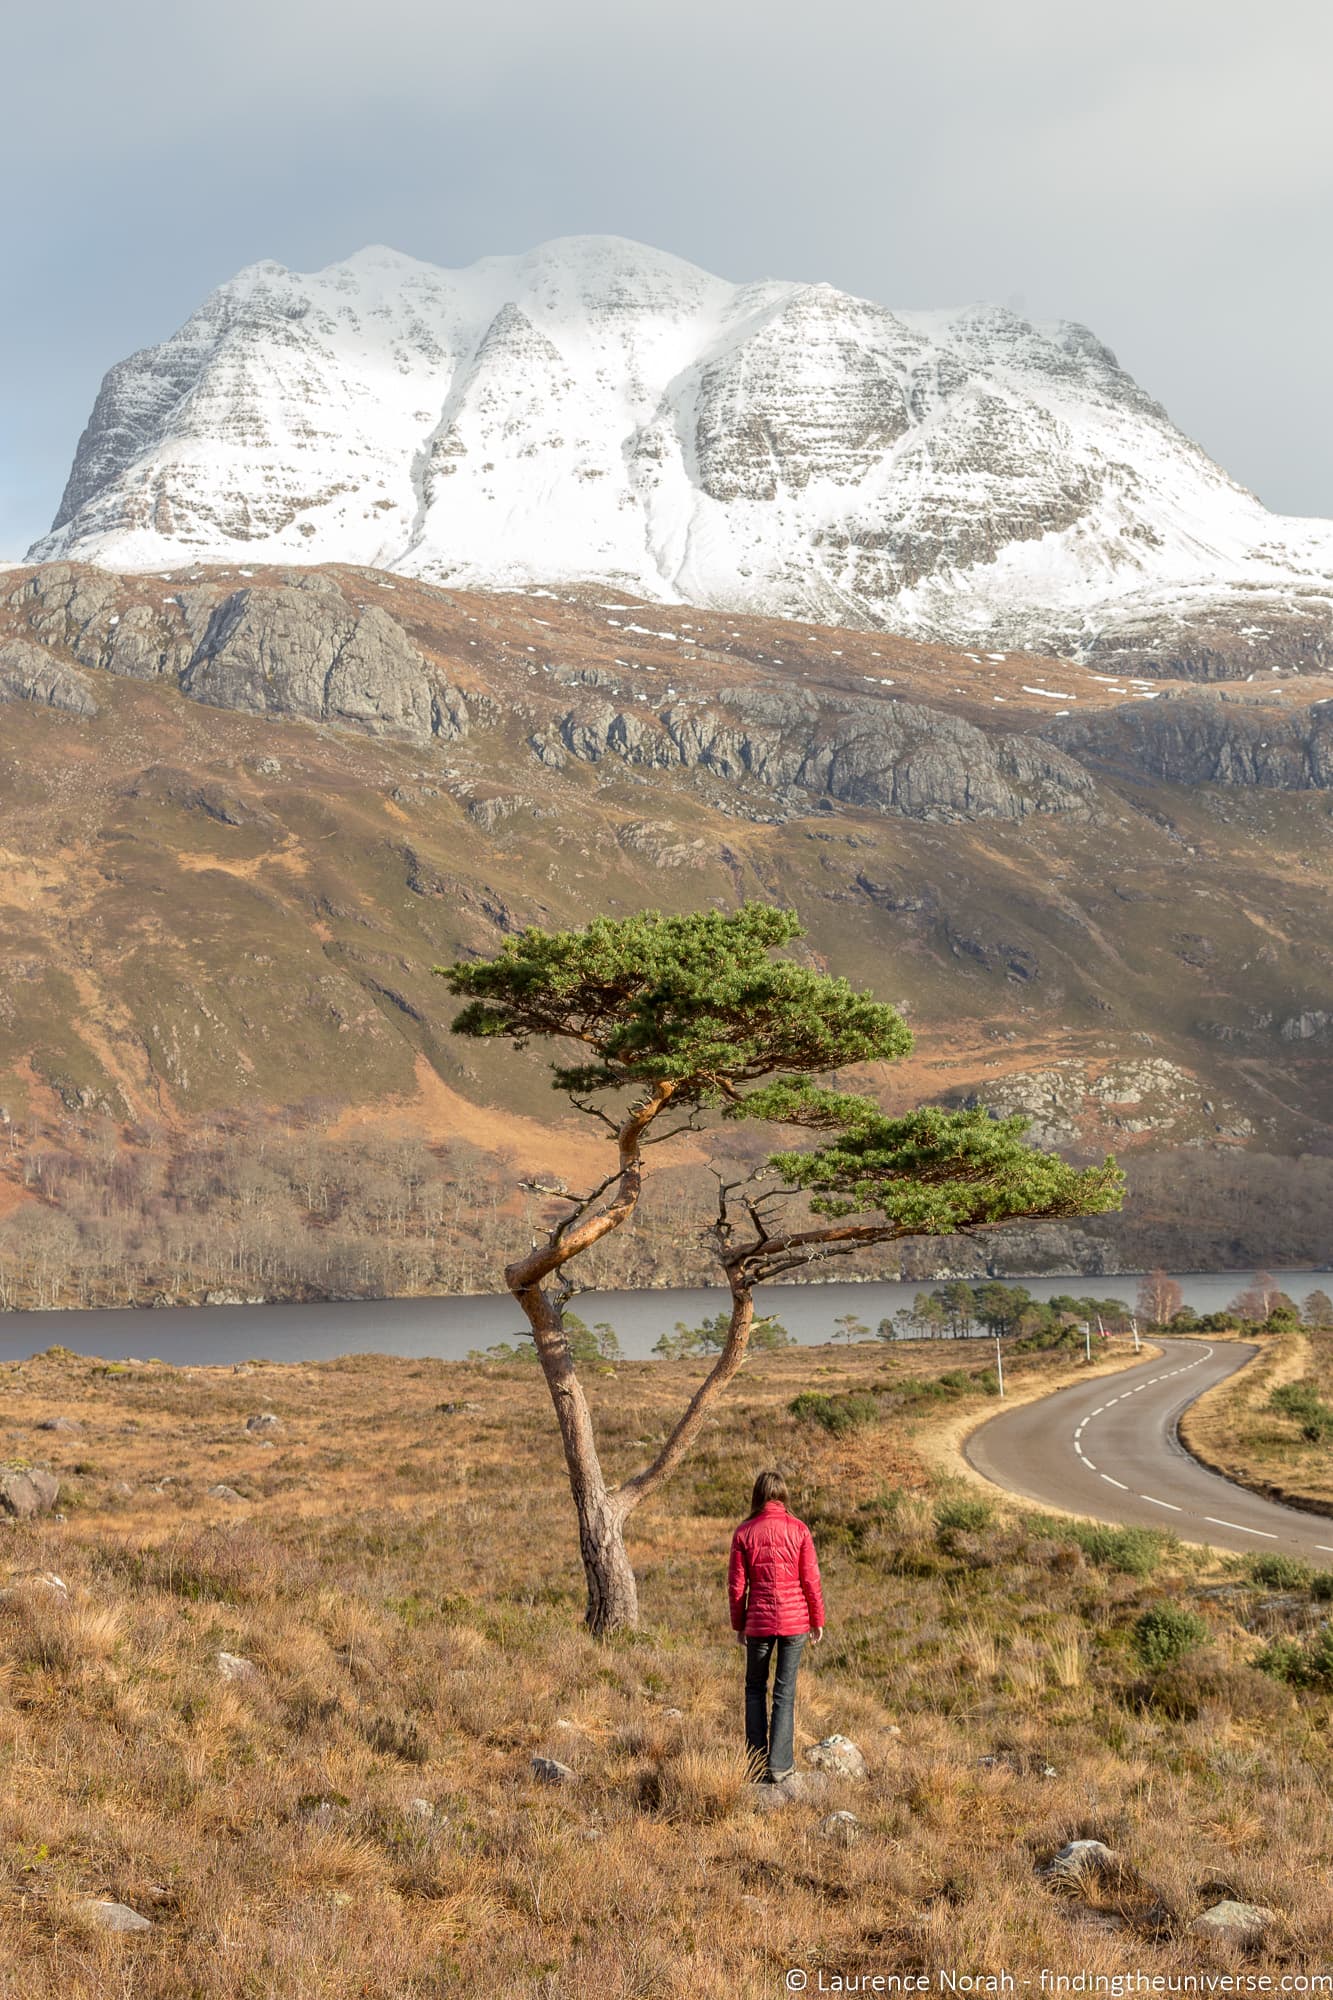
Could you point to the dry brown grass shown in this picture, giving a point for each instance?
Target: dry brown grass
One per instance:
(1233, 1428)
(404, 1583)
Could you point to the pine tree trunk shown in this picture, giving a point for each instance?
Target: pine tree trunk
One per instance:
(613, 1596)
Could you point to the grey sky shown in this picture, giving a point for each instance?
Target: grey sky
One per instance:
(1161, 170)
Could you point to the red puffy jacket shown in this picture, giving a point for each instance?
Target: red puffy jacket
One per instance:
(773, 1576)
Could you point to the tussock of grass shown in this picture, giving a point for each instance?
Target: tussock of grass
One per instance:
(416, 1639)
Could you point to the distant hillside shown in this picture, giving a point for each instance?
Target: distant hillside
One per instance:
(246, 813)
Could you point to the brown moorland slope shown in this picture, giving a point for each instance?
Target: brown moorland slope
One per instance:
(245, 813)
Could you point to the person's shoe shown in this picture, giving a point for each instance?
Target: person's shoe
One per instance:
(780, 1777)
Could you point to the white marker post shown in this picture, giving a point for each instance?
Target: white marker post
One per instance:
(999, 1364)
(1134, 1325)
(1087, 1340)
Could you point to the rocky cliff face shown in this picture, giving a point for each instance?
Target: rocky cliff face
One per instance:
(296, 647)
(899, 758)
(1228, 739)
(599, 411)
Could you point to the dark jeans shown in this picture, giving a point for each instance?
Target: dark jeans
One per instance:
(769, 1742)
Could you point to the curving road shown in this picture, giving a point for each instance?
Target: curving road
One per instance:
(1109, 1448)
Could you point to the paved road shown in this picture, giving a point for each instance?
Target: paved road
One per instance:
(1109, 1448)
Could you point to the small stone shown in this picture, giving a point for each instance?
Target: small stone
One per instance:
(798, 1788)
(674, 1714)
(842, 1828)
(27, 1490)
(235, 1667)
(1233, 1923)
(60, 1424)
(456, 1409)
(264, 1420)
(37, 1579)
(1080, 1857)
(421, 1808)
(114, 1916)
(837, 1755)
(228, 1493)
(550, 1771)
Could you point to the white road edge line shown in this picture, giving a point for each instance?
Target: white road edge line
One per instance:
(1239, 1528)
(1154, 1502)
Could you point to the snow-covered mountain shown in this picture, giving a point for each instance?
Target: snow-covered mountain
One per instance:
(599, 411)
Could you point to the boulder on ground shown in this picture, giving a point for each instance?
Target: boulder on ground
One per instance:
(60, 1424)
(550, 1771)
(1233, 1923)
(221, 1492)
(842, 1828)
(837, 1755)
(113, 1916)
(263, 1420)
(26, 1490)
(1084, 1857)
(235, 1667)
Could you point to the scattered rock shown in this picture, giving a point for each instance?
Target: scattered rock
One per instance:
(1083, 1857)
(801, 1788)
(421, 1809)
(113, 1916)
(550, 1771)
(220, 1492)
(842, 1828)
(60, 1424)
(235, 1667)
(458, 1409)
(26, 1490)
(37, 1579)
(837, 1755)
(673, 1714)
(264, 1420)
(1233, 1923)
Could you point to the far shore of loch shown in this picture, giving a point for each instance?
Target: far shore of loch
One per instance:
(451, 1327)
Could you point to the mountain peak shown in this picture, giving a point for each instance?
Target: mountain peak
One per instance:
(597, 410)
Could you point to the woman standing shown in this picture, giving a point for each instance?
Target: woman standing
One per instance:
(776, 1605)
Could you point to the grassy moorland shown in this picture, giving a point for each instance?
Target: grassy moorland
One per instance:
(1271, 1426)
(354, 1812)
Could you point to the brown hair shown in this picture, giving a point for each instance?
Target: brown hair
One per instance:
(768, 1486)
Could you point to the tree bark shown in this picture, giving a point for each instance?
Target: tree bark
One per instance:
(613, 1600)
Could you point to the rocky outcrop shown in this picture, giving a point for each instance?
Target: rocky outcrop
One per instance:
(295, 648)
(28, 673)
(1223, 739)
(302, 650)
(892, 757)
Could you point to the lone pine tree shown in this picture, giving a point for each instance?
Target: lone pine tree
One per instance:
(659, 1020)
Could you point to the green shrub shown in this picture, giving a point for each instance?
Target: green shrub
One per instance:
(965, 1513)
(1300, 1665)
(1280, 1572)
(1166, 1632)
(835, 1413)
(1321, 1586)
(1133, 1551)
